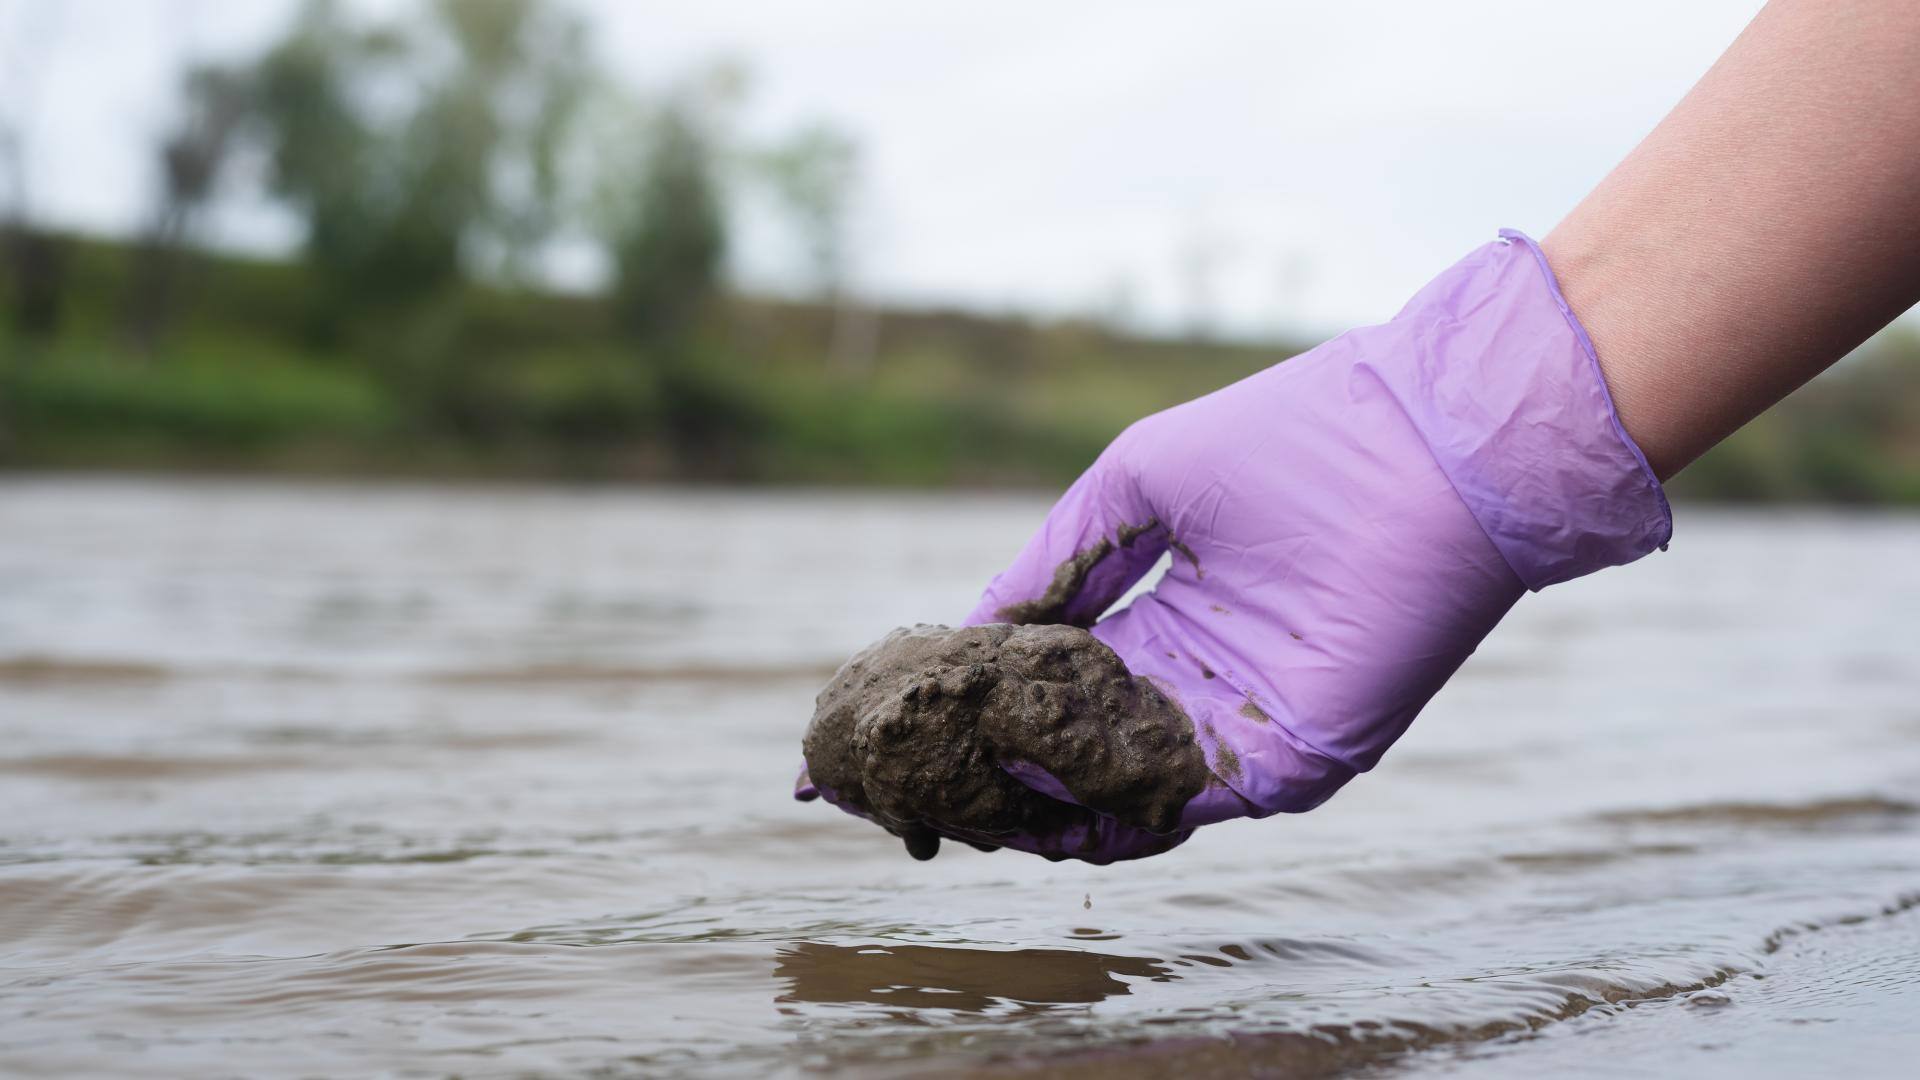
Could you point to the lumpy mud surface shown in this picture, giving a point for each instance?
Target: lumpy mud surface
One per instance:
(913, 730)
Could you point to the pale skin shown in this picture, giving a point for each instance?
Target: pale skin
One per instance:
(1767, 226)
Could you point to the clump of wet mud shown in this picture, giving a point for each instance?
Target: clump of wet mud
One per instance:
(913, 732)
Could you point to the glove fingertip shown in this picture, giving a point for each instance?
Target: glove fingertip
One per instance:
(803, 789)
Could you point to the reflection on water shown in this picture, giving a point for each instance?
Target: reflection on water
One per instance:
(912, 977)
(311, 779)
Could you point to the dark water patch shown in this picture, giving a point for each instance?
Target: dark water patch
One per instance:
(123, 768)
(32, 671)
(1587, 858)
(443, 855)
(55, 669)
(76, 673)
(362, 845)
(424, 738)
(191, 857)
(1212, 900)
(1864, 810)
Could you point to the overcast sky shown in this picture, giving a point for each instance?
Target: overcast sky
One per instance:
(1269, 166)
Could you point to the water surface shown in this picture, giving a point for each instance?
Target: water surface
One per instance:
(304, 779)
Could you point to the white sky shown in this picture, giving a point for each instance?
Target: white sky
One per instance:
(1321, 159)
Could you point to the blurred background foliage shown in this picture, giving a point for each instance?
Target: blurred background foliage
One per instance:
(433, 162)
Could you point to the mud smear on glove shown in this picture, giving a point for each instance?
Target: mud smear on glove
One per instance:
(1070, 577)
(912, 731)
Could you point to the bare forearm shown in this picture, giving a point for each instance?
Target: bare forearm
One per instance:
(1768, 225)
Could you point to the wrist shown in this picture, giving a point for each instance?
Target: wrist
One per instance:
(1512, 404)
(1615, 304)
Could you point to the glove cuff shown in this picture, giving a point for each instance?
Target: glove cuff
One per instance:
(1503, 384)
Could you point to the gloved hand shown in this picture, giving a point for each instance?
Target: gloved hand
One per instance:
(1346, 527)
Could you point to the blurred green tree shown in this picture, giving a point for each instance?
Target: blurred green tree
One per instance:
(813, 174)
(418, 152)
(667, 227)
(33, 259)
(216, 100)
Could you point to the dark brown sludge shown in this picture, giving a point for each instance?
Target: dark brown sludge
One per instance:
(1070, 577)
(912, 732)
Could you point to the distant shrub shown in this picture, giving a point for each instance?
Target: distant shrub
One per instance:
(213, 402)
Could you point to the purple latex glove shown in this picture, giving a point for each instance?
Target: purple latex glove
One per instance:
(1346, 527)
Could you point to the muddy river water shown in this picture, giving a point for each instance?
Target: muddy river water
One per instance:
(310, 779)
